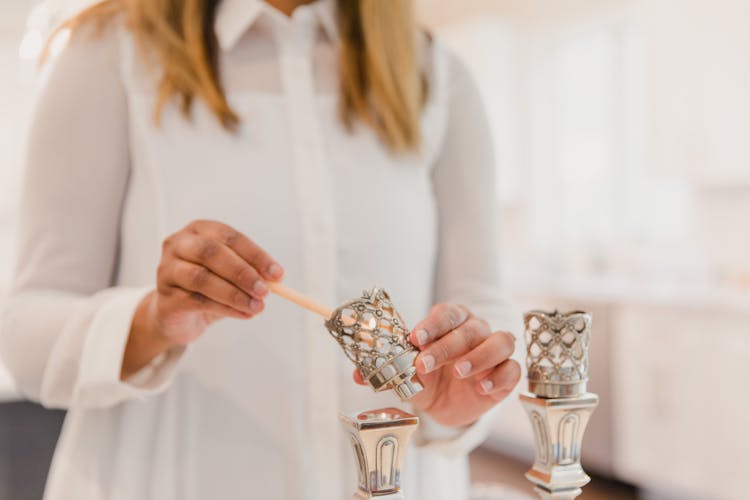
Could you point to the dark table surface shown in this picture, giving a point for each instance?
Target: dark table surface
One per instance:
(28, 434)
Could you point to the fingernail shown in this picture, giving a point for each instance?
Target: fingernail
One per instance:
(463, 368)
(422, 336)
(428, 362)
(260, 288)
(275, 271)
(255, 305)
(487, 385)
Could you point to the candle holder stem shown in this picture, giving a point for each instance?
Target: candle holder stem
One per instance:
(558, 424)
(379, 439)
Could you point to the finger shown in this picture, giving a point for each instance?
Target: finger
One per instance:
(222, 261)
(202, 303)
(194, 278)
(250, 251)
(357, 375)
(456, 343)
(441, 319)
(490, 353)
(500, 381)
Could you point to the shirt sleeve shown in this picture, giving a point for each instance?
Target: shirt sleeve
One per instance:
(64, 326)
(468, 261)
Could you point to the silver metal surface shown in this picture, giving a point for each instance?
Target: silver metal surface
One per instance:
(558, 405)
(375, 338)
(558, 424)
(379, 439)
(557, 352)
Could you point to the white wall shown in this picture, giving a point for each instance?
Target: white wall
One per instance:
(685, 126)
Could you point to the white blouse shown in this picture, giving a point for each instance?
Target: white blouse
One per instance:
(249, 411)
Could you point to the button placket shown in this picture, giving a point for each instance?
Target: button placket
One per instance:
(313, 184)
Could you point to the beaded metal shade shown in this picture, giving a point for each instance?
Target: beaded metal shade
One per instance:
(375, 338)
(557, 352)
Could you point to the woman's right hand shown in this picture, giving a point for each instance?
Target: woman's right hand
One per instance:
(208, 271)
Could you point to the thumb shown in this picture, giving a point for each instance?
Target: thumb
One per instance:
(357, 376)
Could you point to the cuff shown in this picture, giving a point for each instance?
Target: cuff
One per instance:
(98, 382)
(453, 441)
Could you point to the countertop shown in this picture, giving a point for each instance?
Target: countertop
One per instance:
(625, 291)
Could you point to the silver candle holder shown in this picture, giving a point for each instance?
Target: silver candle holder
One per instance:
(557, 403)
(379, 439)
(376, 339)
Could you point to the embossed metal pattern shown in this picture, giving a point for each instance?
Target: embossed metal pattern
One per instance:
(540, 437)
(557, 358)
(375, 338)
(567, 451)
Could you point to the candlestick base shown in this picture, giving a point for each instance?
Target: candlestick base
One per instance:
(558, 424)
(361, 495)
(379, 439)
(557, 495)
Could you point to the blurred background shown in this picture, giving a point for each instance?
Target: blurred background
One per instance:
(622, 131)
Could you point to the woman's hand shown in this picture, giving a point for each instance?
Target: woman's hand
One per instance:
(208, 271)
(464, 366)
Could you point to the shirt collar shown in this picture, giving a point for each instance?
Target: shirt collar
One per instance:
(235, 17)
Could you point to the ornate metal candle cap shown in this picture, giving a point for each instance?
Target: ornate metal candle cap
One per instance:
(380, 439)
(376, 339)
(557, 352)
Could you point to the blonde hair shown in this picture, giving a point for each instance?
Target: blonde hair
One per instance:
(381, 83)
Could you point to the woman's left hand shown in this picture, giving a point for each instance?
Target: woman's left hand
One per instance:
(464, 366)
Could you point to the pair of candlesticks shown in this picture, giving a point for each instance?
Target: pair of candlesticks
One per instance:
(375, 338)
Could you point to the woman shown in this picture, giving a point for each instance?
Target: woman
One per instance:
(185, 153)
